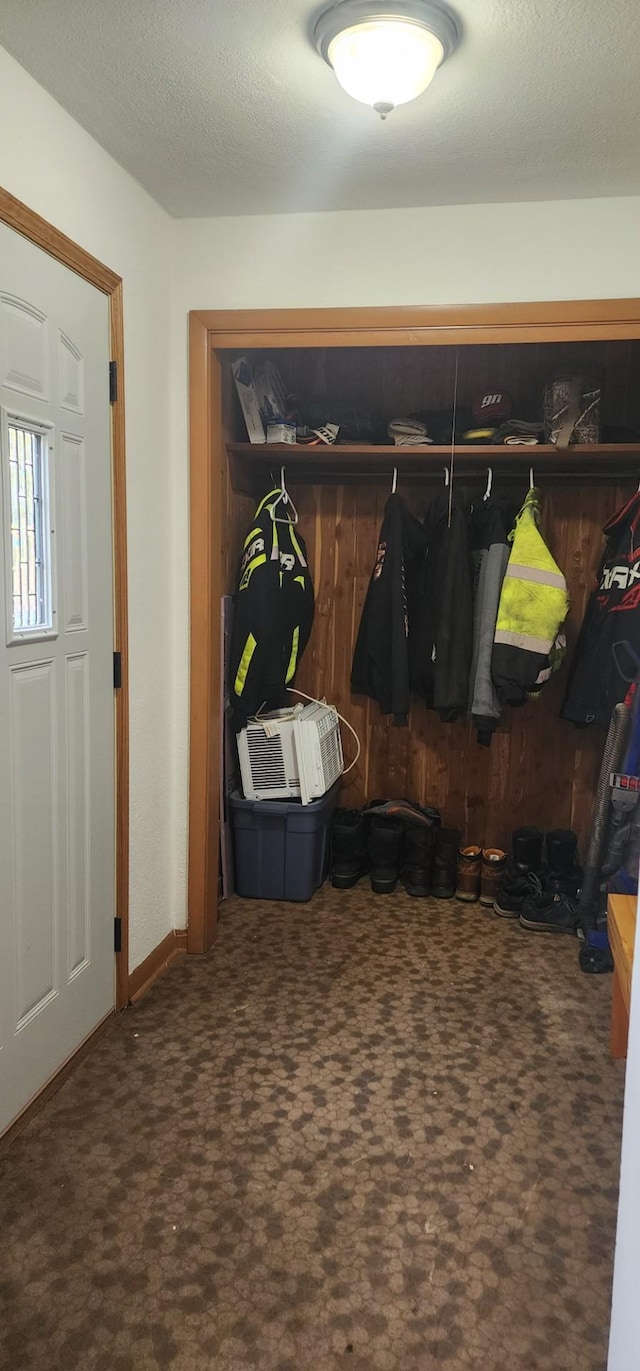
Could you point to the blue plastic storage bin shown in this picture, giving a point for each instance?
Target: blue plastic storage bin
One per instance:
(281, 847)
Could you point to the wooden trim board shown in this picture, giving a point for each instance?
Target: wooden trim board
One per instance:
(39, 231)
(144, 975)
(32, 226)
(213, 330)
(409, 326)
(205, 591)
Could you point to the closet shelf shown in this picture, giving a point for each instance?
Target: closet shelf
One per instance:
(371, 462)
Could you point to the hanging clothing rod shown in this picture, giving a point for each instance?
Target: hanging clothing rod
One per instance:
(334, 475)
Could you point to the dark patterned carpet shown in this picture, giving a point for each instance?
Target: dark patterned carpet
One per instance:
(373, 1133)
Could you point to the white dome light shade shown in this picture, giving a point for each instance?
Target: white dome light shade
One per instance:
(385, 62)
(385, 52)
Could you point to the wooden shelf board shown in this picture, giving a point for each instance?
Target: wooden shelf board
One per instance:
(352, 462)
(498, 451)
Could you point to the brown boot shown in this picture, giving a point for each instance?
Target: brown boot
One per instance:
(468, 874)
(493, 864)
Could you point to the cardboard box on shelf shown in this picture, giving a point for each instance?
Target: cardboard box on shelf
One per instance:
(247, 394)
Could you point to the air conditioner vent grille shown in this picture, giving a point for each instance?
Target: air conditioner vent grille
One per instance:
(330, 754)
(267, 762)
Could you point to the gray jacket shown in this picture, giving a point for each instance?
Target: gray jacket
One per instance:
(490, 526)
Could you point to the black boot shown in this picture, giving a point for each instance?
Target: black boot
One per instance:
(426, 815)
(349, 856)
(521, 877)
(562, 851)
(445, 862)
(527, 850)
(386, 842)
(418, 865)
(564, 873)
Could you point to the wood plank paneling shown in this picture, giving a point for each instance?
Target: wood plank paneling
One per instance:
(539, 769)
(383, 382)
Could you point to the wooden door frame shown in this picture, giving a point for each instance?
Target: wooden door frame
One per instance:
(213, 330)
(42, 234)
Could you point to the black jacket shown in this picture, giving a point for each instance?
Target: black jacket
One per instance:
(381, 658)
(442, 621)
(595, 685)
(273, 613)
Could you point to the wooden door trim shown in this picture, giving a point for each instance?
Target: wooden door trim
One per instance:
(203, 520)
(42, 234)
(408, 326)
(211, 330)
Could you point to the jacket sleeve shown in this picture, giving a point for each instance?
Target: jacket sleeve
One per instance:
(400, 694)
(585, 697)
(296, 594)
(455, 625)
(255, 657)
(485, 705)
(380, 662)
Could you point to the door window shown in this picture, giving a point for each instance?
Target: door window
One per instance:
(28, 533)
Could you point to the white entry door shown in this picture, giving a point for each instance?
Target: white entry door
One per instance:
(57, 770)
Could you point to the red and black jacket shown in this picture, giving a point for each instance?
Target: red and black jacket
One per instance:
(595, 685)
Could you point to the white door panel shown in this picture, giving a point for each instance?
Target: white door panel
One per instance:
(57, 768)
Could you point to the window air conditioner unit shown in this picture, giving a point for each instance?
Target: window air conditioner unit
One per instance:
(291, 753)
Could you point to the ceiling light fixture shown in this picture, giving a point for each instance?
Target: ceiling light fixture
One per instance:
(386, 52)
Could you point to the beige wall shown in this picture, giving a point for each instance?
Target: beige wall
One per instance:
(460, 254)
(48, 161)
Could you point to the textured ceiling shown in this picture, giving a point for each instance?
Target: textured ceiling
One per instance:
(223, 107)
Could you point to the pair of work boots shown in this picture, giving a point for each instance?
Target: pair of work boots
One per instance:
(480, 872)
(393, 839)
(541, 883)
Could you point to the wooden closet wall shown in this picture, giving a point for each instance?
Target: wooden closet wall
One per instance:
(539, 769)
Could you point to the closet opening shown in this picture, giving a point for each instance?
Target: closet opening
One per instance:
(539, 769)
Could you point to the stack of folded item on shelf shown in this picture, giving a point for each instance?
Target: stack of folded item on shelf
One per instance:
(408, 432)
(489, 411)
(517, 431)
(312, 437)
(360, 426)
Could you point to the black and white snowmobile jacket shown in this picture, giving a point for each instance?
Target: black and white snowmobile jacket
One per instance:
(273, 613)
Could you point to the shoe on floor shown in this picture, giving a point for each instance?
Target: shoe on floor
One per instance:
(527, 849)
(423, 816)
(445, 863)
(513, 891)
(386, 846)
(417, 872)
(468, 872)
(563, 871)
(349, 856)
(549, 913)
(562, 851)
(494, 861)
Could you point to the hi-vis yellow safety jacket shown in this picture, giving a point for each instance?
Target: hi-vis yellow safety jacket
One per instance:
(533, 606)
(273, 612)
